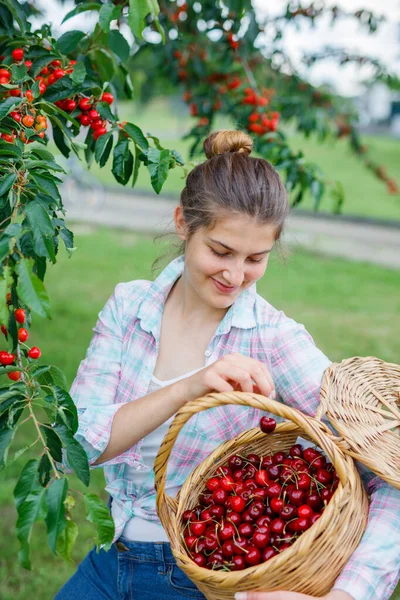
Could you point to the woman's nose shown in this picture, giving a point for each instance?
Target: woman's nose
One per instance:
(234, 276)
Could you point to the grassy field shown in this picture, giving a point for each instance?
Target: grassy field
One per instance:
(349, 308)
(365, 195)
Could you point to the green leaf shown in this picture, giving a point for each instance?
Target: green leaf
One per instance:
(79, 73)
(41, 62)
(136, 164)
(137, 135)
(98, 514)
(108, 12)
(66, 408)
(69, 41)
(31, 289)
(19, 14)
(67, 539)
(45, 470)
(80, 9)
(55, 519)
(6, 437)
(100, 146)
(53, 376)
(59, 140)
(18, 72)
(122, 162)
(53, 443)
(138, 11)
(7, 105)
(42, 229)
(178, 157)
(62, 88)
(159, 170)
(76, 455)
(105, 62)
(118, 44)
(105, 112)
(28, 512)
(27, 482)
(6, 183)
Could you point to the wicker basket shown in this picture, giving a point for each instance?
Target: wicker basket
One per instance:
(361, 398)
(312, 564)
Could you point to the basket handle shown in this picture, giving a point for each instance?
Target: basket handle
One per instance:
(317, 430)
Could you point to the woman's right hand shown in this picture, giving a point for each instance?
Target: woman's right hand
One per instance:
(233, 372)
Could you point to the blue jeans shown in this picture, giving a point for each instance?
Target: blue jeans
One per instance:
(130, 571)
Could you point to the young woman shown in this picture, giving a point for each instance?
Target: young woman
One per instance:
(201, 326)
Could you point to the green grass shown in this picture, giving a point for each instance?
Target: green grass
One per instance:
(349, 308)
(365, 195)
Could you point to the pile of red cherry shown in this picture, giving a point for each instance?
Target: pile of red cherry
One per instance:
(255, 507)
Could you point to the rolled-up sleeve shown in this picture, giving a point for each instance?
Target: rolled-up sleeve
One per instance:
(95, 385)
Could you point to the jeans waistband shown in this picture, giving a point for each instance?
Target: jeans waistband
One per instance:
(158, 552)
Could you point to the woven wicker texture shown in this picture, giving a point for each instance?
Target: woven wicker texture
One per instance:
(312, 564)
(361, 398)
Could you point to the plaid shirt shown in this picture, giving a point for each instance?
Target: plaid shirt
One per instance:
(118, 367)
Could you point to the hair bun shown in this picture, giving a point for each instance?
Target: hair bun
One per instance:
(227, 140)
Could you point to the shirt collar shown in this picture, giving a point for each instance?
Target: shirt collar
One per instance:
(241, 314)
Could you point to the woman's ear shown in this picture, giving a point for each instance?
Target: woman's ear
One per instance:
(180, 223)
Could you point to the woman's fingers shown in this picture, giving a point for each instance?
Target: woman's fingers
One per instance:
(257, 370)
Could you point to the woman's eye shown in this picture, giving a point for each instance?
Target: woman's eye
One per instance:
(252, 260)
(218, 253)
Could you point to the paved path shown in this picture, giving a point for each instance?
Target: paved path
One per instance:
(365, 241)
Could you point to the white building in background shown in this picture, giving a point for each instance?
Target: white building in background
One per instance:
(379, 107)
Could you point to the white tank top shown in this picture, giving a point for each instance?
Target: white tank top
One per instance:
(137, 528)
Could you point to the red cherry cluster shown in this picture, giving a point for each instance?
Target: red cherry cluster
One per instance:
(263, 123)
(88, 116)
(255, 507)
(7, 358)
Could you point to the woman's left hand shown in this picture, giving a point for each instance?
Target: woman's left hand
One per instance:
(334, 595)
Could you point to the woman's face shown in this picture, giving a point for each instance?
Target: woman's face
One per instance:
(220, 263)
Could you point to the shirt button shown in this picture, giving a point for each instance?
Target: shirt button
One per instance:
(207, 352)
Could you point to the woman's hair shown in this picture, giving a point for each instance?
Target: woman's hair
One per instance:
(231, 183)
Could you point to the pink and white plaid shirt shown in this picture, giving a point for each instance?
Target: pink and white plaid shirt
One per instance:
(118, 367)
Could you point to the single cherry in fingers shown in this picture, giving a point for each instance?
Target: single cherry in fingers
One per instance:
(267, 424)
